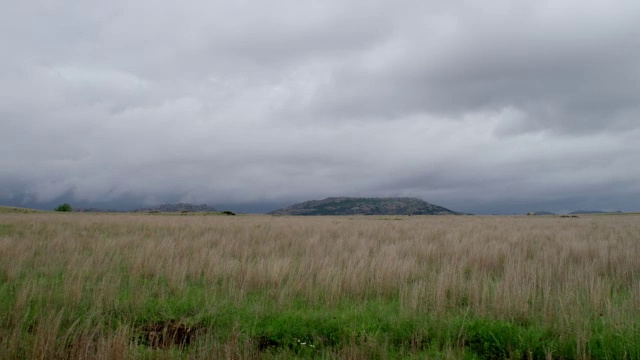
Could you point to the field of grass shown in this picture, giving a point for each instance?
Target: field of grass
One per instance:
(119, 286)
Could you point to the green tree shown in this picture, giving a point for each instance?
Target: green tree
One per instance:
(63, 207)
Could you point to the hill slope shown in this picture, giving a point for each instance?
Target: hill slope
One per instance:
(17, 210)
(587, 212)
(543, 212)
(364, 206)
(181, 207)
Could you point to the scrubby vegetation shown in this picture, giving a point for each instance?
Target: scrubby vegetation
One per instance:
(64, 208)
(137, 286)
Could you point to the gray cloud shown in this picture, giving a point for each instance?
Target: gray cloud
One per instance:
(568, 71)
(486, 107)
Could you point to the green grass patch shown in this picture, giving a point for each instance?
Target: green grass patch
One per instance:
(7, 229)
(493, 339)
(174, 322)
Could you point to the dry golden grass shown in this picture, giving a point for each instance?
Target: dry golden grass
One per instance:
(77, 285)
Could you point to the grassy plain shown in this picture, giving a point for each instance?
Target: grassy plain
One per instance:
(118, 286)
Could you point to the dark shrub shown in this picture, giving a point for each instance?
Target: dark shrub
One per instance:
(63, 207)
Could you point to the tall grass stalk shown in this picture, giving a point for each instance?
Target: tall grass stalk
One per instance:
(137, 286)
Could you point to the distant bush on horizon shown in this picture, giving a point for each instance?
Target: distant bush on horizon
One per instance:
(64, 208)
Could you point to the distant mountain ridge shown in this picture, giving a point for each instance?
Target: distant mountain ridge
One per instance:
(365, 206)
(543, 212)
(585, 212)
(95, 210)
(181, 207)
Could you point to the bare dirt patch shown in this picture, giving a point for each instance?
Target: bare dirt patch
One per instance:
(172, 333)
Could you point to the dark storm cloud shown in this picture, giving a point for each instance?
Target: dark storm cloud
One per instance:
(571, 71)
(458, 102)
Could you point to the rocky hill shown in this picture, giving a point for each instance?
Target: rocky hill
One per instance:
(365, 206)
(95, 210)
(586, 212)
(542, 212)
(181, 207)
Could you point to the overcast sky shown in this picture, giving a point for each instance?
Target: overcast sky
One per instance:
(479, 106)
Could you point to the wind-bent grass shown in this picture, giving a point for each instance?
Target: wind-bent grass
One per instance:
(140, 286)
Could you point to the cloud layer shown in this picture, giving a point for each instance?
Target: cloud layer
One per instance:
(480, 107)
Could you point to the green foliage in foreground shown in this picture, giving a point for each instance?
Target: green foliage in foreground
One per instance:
(193, 321)
(123, 291)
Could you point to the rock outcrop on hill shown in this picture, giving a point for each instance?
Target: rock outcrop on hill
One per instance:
(542, 212)
(586, 212)
(181, 207)
(365, 206)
